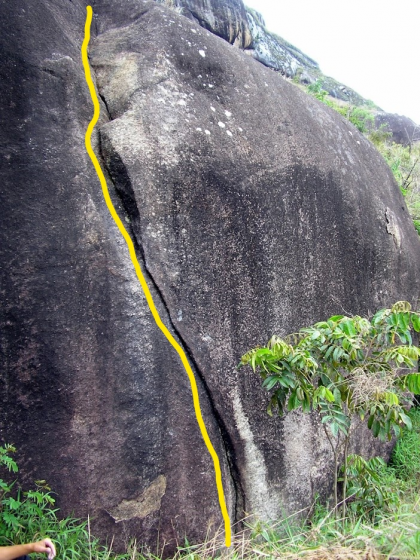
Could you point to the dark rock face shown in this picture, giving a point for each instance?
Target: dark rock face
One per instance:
(255, 210)
(228, 20)
(403, 130)
(91, 393)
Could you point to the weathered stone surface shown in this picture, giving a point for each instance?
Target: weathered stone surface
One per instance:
(255, 209)
(228, 20)
(403, 130)
(91, 393)
(246, 29)
(149, 501)
(258, 210)
(274, 52)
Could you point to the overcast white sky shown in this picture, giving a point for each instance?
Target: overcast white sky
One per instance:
(372, 46)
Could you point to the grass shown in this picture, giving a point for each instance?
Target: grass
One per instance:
(404, 162)
(405, 461)
(395, 533)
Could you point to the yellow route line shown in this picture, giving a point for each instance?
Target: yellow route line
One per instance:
(170, 338)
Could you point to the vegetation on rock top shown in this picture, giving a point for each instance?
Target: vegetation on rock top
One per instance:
(404, 160)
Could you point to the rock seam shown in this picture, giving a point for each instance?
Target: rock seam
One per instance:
(227, 445)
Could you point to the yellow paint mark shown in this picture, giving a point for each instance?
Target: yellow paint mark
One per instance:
(143, 283)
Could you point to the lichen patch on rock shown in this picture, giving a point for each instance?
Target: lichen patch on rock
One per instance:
(142, 506)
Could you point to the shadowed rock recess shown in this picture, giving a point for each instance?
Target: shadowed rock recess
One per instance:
(254, 209)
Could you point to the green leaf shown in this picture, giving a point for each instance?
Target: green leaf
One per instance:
(391, 399)
(328, 352)
(380, 316)
(322, 325)
(13, 504)
(348, 327)
(415, 321)
(253, 361)
(397, 430)
(376, 427)
(412, 381)
(334, 429)
(411, 352)
(270, 382)
(329, 396)
(7, 461)
(10, 520)
(287, 382)
(325, 379)
(306, 403)
(4, 487)
(293, 402)
(272, 403)
(404, 321)
(406, 420)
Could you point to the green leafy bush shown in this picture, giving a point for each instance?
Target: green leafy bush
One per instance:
(24, 516)
(379, 136)
(404, 162)
(367, 493)
(343, 367)
(317, 91)
(361, 117)
(30, 516)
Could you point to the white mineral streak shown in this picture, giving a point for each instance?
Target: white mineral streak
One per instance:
(261, 501)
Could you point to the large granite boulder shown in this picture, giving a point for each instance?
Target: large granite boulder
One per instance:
(228, 20)
(92, 395)
(245, 28)
(402, 130)
(275, 52)
(254, 209)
